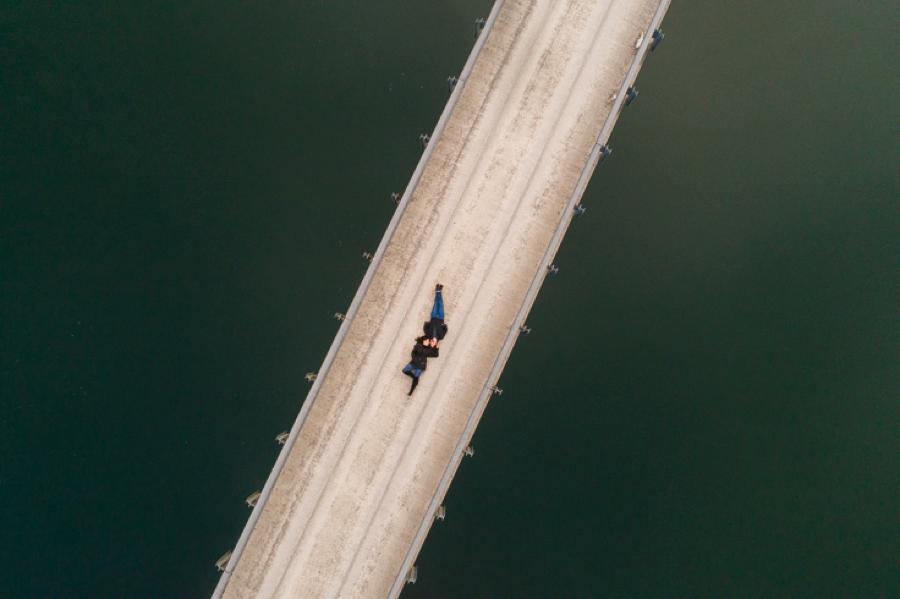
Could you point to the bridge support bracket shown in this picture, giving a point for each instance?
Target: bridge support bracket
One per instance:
(631, 95)
(480, 22)
(223, 561)
(252, 498)
(605, 152)
(658, 37)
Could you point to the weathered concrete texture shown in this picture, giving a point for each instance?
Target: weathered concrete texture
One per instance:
(358, 480)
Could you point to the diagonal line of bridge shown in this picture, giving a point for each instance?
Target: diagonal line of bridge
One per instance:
(365, 468)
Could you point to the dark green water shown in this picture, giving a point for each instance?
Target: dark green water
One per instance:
(708, 404)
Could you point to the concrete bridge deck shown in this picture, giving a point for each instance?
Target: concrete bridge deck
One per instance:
(355, 489)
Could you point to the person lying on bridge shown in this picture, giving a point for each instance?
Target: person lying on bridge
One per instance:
(424, 348)
(427, 345)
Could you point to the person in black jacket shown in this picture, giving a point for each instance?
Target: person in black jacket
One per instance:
(425, 348)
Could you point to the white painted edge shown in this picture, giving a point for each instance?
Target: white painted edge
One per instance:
(513, 334)
(354, 305)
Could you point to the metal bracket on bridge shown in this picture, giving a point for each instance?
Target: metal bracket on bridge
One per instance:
(281, 438)
(658, 37)
(552, 269)
(525, 329)
(340, 316)
(469, 451)
(605, 152)
(441, 513)
(424, 138)
(631, 95)
(413, 575)
(368, 256)
(252, 499)
(579, 209)
(452, 80)
(310, 376)
(223, 561)
(497, 390)
(396, 197)
(480, 22)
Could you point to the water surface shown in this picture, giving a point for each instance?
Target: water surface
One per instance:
(706, 405)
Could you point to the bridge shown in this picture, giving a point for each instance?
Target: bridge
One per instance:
(364, 470)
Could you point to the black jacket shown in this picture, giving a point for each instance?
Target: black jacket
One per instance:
(435, 328)
(421, 353)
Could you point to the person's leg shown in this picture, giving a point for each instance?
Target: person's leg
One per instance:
(438, 310)
(413, 373)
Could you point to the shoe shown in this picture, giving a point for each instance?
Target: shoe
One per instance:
(438, 287)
